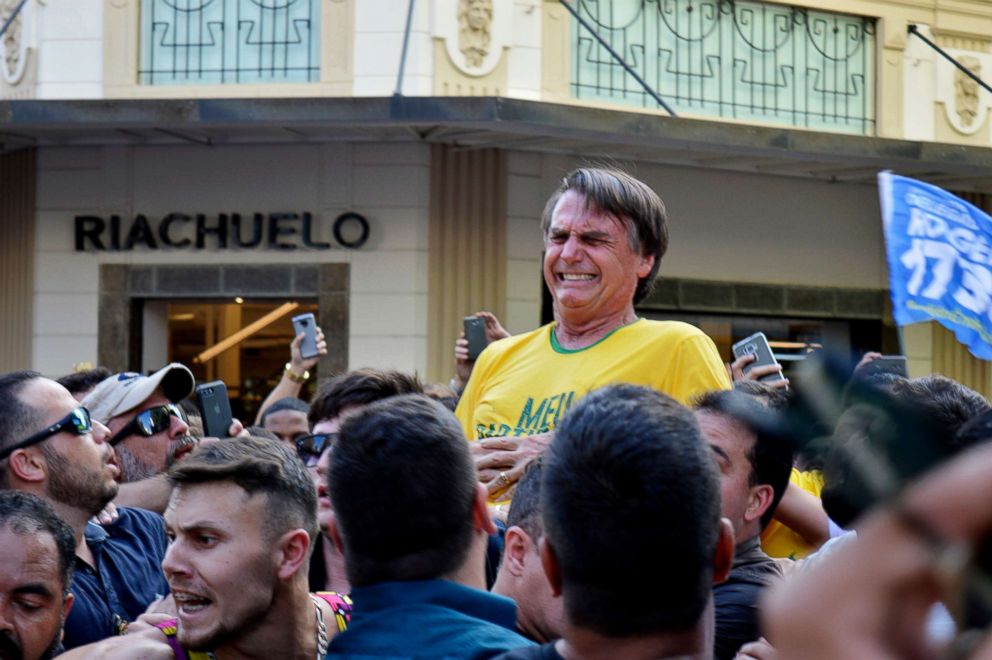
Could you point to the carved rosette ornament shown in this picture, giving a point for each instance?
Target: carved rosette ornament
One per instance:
(13, 44)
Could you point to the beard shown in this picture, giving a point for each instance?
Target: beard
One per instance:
(10, 647)
(75, 486)
(133, 468)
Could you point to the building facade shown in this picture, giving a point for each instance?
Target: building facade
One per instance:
(161, 159)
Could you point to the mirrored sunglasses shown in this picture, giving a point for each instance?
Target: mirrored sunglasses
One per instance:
(151, 421)
(310, 447)
(78, 421)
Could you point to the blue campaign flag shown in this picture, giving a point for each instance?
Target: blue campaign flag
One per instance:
(940, 260)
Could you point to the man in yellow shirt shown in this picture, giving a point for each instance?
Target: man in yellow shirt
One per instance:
(605, 233)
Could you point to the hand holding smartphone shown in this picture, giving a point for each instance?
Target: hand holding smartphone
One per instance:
(306, 324)
(475, 333)
(757, 345)
(215, 409)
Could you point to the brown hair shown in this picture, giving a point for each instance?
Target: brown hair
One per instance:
(359, 388)
(257, 465)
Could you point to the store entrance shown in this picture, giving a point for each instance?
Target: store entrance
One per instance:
(241, 342)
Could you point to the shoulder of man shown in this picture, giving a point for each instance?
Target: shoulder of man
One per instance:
(139, 527)
(136, 519)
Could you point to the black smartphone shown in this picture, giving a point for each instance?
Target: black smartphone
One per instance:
(215, 408)
(757, 344)
(475, 332)
(306, 324)
(889, 364)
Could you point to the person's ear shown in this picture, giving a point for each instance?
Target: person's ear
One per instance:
(517, 545)
(28, 465)
(67, 602)
(334, 534)
(293, 553)
(644, 268)
(759, 501)
(552, 569)
(723, 557)
(480, 511)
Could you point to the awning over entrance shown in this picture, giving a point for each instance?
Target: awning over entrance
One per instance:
(484, 122)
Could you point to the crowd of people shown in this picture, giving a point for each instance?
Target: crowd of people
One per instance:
(601, 487)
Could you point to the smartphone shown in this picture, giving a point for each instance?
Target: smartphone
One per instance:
(306, 324)
(889, 364)
(215, 408)
(757, 345)
(475, 332)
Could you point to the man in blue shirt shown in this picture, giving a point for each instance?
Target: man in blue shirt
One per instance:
(49, 446)
(412, 521)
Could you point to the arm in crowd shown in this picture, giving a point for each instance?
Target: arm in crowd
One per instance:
(736, 371)
(293, 377)
(463, 366)
(803, 513)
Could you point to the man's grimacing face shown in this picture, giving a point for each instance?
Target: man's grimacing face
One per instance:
(589, 266)
(217, 541)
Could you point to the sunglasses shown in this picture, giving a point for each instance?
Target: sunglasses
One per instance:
(310, 447)
(78, 421)
(149, 422)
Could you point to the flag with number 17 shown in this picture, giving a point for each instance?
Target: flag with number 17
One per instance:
(939, 251)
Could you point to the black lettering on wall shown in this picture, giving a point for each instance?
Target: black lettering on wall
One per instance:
(278, 227)
(308, 234)
(115, 232)
(202, 229)
(342, 221)
(163, 230)
(89, 227)
(140, 233)
(256, 237)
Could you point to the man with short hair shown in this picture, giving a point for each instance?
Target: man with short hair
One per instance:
(49, 446)
(633, 535)
(36, 555)
(287, 419)
(336, 397)
(240, 522)
(521, 577)
(605, 233)
(411, 519)
(754, 470)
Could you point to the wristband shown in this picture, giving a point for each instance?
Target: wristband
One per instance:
(299, 379)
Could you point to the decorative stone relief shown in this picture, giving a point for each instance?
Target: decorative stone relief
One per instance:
(966, 91)
(475, 32)
(966, 104)
(13, 43)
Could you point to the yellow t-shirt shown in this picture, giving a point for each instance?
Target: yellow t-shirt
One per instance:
(778, 540)
(524, 384)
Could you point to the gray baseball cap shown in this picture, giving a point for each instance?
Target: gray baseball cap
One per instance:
(121, 392)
